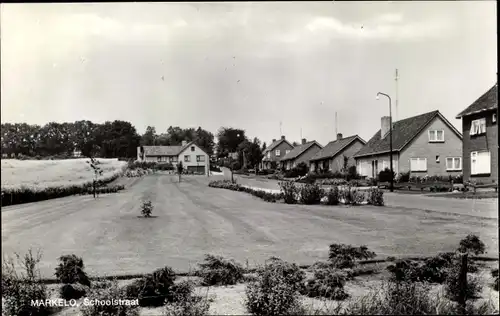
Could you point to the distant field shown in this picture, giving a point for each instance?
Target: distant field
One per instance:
(42, 174)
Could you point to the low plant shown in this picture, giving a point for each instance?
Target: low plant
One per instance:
(276, 291)
(346, 256)
(453, 285)
(289, 191)
(332, 196)
(146, 208)
(73, 291)
(310, 194)
(352, 196)
(494, 274)
(20, 288)
(216, 270)
(327, 282)
(472, 244)
(376, 197)
(110, 293)
(71, 270)
(190, 306)
(153, 289)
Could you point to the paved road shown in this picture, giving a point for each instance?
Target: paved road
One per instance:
(193, 219)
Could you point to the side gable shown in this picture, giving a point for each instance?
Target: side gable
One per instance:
(299, 150)
(336, 147)
(276, 144)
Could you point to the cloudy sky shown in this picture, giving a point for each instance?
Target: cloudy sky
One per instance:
(246, 65)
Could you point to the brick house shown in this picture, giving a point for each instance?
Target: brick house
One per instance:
(426, 144)
(331, 157)
(301, 153)
(480, 143)
(275, 151)
(193, 157)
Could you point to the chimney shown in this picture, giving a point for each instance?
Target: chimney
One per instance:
(339, 136)
(184, 143)
(283, 137)
(385, 126)
(274, 139)
(303, 141)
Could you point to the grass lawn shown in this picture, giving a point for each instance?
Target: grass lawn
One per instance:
(469, 195)
(193, 219)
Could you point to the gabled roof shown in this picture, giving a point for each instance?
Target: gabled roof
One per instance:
(488, 101)
(299, 150)
(335, 147)
(275, 144)
(403, 132)
(167, 150)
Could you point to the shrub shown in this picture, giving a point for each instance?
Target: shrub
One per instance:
(109, 293)
(327, 282)
(452, 285)
(494, 274)
(333, 196)
(434, 270)
(19, 289)
(289, 191)
(146, 208)
(180, 292)
(276, 291)
(386, 175)
(300, 170)
(73, 291)
(71, 270)
(217, 270)
(376, 197)
(472, 244)
(154, 288)
(404, 177)
(192, 306)
(310, 194)
(345, 256)
(352, 196)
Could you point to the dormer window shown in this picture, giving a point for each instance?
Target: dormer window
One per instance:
(277, 152)
(436, 136)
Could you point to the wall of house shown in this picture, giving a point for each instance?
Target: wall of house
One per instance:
(420, 147)
(337, 163)
(365, 168)
(480, 143)
(283, 147)
(306, 156)
(197, 151)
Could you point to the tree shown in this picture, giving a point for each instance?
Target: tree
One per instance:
(250, 153)
(149, 137)
(264, 146)
(228, 140)
(94, 164)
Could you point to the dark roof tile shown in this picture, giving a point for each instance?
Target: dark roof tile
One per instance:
(299, 150)
(335, 147)
(488, 101)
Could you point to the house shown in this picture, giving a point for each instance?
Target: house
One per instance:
(274, 152)
(331, 157)
(480, 143)
(193, 157)
(301, 153)
(426, 144)
(77, 153)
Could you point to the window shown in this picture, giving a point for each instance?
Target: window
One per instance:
(192, 148)
(478, 127)
(200, 158)
(418, 164)
(158, 158)
(453, 163)
(277, 152)
(174, 159)
(436, 136)
(287, 151)
(437, 159)
(187, 158)
(494, 117)
(268, 154)
(385, 164)
(480, 162)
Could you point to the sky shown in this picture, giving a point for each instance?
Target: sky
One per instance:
(245, 65)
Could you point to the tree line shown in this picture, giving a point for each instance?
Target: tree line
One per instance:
(120, 139)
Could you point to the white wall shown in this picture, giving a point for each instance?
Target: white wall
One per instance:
(192, 155)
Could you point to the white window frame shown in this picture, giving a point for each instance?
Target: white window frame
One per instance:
(478, 127)
(200, 158)
(453, 168)
(435, 133)
(475, 167)
(277, 153)
(187, 158)
(418, 162)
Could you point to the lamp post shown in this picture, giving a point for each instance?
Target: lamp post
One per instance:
(390, 138)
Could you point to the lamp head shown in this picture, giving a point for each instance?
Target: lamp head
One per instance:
(377, 97)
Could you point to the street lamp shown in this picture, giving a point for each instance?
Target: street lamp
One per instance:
(390, 137)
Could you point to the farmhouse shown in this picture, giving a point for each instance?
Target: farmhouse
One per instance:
(274, 152)
(426, 144)
(332, 156)
(480, 143)
(301, 153)
(193, 157)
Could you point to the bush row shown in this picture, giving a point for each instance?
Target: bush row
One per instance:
(226, 184)
(28, 195)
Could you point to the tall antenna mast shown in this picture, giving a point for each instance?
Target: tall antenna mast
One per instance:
(301, 133)
(280, 129)
(336, 125)
(397, 99)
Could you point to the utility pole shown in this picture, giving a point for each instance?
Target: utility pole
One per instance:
(336, 125)
(397, 93)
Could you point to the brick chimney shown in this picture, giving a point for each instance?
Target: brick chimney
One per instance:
(184, 143)
(303, 141)
(339, 136)
(282, 137)
(385, 126)
(274, 139)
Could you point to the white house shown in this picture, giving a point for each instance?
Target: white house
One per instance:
(193, 157)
